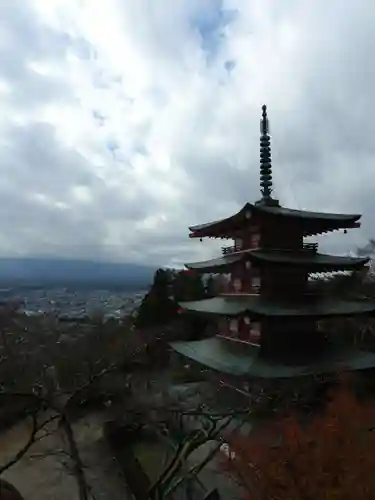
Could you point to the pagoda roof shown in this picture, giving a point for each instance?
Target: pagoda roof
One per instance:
(256, 305)
(220, 264)
(303, 258)
(315, 222)
(236, 359)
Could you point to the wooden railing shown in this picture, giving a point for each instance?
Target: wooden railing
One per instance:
(307, 247)
(232, 249)
(310, 247)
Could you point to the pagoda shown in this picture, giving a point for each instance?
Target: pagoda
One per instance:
(269, 316)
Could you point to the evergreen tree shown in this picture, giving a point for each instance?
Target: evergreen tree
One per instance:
(188, 285)
(157, 307)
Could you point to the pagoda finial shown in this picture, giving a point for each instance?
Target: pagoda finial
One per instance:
(265, 157)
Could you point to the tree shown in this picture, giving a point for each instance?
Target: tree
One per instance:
(188, 285)
(358, 284)
(65, 368)
(68, 369)
(157, 307)
(329, 456)
(170, 418)
(367, 250)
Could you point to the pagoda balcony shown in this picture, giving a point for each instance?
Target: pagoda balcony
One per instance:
(232, 249)
(310, 247)
(307, 247)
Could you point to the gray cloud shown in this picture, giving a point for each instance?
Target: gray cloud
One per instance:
(26, 41)
(116, 135)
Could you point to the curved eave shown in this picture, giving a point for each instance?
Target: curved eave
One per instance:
(314, 222)
(313, 262)
(306, 214)
(221, 226)
(219, 265)
(257, 306)
(223, 357)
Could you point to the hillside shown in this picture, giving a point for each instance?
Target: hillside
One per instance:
(40, 272)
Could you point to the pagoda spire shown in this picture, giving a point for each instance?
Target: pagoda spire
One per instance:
(265, 157)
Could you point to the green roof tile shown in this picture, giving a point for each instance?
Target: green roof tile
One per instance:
(337, 220)
(306, 214)
(231, 358)
(221, 263)
(319, 306)
(314, 261)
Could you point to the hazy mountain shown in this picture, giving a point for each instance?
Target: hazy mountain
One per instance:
(40, 271)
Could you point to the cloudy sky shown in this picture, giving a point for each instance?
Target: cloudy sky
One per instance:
(123, 122)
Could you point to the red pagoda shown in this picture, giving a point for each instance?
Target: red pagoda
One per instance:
(269, 315)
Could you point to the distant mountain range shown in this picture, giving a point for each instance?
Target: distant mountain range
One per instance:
(55, 272)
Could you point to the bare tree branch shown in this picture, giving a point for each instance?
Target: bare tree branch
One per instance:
(195, 470)
(50, 453)
(164, 484)
(93, 378)
(78, 467)
(25, 448)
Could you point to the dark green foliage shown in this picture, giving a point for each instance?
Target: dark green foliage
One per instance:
(158, 307)
(188, 285)
(350, 286)
(368, 250)
(161, 305)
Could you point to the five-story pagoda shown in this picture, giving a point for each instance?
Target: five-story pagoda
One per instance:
(268, 314)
